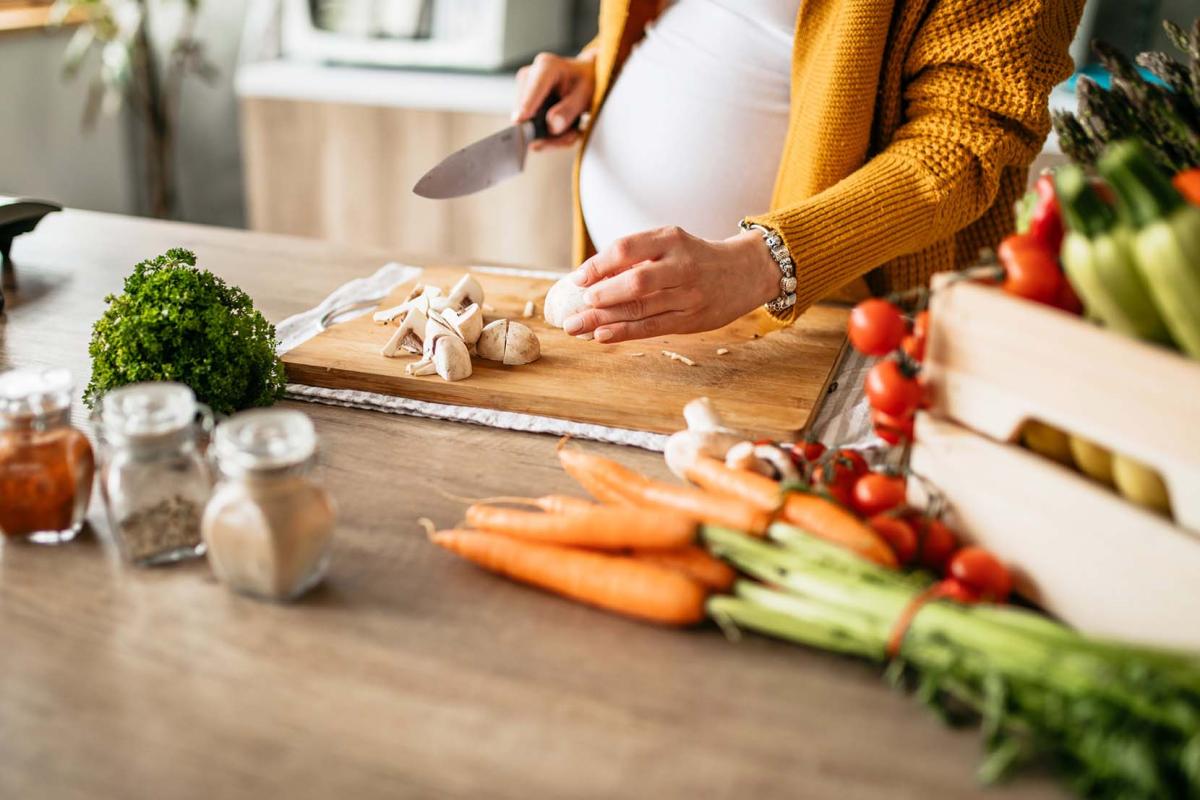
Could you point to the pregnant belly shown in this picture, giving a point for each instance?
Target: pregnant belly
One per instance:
(681, 140)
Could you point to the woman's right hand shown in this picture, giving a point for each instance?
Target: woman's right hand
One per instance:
(573, 78)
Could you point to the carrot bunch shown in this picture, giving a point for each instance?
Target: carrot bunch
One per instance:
(641, 562)
(637, 552)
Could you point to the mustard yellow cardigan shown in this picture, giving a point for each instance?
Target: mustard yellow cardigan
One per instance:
(912, 127)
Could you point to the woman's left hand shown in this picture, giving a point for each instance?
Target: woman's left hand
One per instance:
(668, 281)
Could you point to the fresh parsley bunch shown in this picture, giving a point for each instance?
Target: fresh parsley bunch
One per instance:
(175, 322)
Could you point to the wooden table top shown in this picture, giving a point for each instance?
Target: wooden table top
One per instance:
(409, 673)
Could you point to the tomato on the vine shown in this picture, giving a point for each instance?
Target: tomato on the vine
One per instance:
(899, 535)
(892, 391)
(876, 327)
(812, 450)
(892, 430)
(853, 460)
(838, 479)
(1030, 271)
(914, 344)
(938, 544)
(980, 570)
(954, 589)
(875, 493)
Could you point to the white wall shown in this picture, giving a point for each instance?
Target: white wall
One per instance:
(43, 152)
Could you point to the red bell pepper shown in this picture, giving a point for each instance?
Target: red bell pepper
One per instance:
(1045, 222)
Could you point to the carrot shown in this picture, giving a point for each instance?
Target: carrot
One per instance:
(829, 521)
(563, 504)
(816, 515)
(758, 490)
(591, 470)
(695, 562)
(601, 527)
(581, 467)
(616, 583)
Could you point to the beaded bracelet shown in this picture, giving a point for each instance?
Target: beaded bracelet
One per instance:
(783, 259)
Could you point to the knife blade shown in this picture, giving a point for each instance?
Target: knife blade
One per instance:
(488, 161)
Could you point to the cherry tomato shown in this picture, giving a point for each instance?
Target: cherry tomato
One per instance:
(900, 428)
(1067, 300)
(899, 535)
(838, 478)
(914, 343)
(937, 542)
(956, 590)
(891, 391)
(813, 450)
(875, 493)
(981, 571)
(876, 327)
(853, 460)
(1030, 271)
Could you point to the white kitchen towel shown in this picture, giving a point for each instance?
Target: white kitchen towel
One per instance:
(359, 297)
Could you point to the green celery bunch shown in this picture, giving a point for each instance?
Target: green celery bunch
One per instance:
(1115, 720)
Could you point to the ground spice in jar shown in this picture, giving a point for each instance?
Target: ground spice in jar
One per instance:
(46, 466)
(269, 524)
(169, 526)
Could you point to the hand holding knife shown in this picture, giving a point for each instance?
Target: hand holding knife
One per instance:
(490, 160)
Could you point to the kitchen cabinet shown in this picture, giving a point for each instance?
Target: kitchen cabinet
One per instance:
(333, 153)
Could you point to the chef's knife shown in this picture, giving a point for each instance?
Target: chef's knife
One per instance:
(488, 161)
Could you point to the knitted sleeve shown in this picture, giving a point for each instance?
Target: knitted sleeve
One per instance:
(976, 85)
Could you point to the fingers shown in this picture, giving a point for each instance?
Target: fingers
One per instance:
(635, 283)
(648, 306)
(648, 328)
(574, 102)
(623, 254)
(556, 143)
(535, 82)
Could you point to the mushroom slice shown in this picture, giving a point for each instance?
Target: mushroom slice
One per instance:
(435, 329)
(407, 335)
(468, 323)
(423, 367)
(451, 359)
(490, 344)
(465, 292)
(521, 345)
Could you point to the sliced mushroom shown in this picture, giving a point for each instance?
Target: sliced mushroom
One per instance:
(464, 293)
(521, 345)
(420, 297)
(468, 323)
(435, 329)
(408, 335)
(490, 344)
(423, 367)
(451, 359)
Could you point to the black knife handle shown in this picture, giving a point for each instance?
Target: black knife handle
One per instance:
(540, 129)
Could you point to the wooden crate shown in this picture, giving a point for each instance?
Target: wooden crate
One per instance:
(1080, 551)
(994, 361)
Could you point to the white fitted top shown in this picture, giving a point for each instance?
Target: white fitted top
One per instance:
(692, 131)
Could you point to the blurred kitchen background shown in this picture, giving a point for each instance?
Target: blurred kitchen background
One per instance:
(315, 117)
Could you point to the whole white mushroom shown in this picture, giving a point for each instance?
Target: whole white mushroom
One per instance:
(564, 299)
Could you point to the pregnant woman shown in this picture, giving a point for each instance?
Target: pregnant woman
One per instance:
(836, 140)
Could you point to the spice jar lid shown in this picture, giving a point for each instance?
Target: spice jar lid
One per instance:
(264, 439)
(147, 409)
(27, 392)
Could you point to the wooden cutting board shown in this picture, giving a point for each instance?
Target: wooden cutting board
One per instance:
(766, 383)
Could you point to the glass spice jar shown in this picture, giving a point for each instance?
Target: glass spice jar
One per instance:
(46, 465)
(269, 523)
(154, 477)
